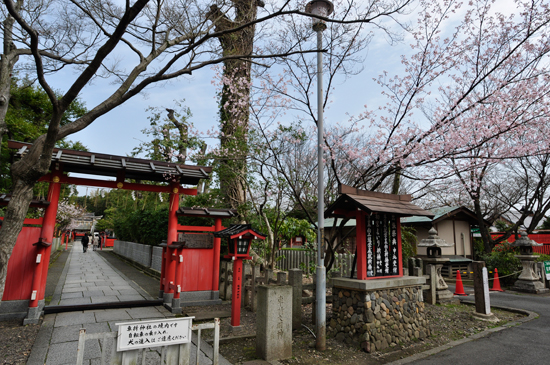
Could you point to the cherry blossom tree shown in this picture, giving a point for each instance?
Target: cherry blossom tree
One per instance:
(472, 96)
(67, 214)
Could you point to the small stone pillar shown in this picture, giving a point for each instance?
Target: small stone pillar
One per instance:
(295, 281)
(274, 322)
(481, 290)
(528, 281)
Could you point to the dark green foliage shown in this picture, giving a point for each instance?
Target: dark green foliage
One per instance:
(546, 224)
(479, 248)
(27, 118)
(542, 257)
(149, 227)
(408, 244)
(502, 226)
(503, 258)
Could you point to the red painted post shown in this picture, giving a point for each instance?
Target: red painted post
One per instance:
(48, 225)
(216, 263)
(399, 255)
(170, 274)
(361, 244)
(236, 297)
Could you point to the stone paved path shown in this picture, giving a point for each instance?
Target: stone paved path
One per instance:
(88, 278)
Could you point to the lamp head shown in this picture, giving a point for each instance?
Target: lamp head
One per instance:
(320, 8)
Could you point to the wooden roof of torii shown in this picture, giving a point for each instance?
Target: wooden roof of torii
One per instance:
(351, 199)
(121, 167)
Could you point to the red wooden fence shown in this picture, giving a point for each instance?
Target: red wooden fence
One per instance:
(543, 238)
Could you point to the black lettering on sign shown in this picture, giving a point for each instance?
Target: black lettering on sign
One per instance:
(202, 240)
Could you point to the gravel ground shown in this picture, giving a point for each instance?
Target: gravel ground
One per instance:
(16, 341)
(448, 323)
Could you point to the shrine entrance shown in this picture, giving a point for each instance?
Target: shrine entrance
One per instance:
(28, 264)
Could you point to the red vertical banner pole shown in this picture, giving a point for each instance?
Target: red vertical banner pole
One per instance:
(170, 274)
(216, 263)
(236, 292)
(361, 244)
(43, 252)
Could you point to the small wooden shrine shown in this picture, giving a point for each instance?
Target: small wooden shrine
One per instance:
(380, 291)
(378, 230)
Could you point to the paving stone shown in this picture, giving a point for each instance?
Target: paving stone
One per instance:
(66, 352)
(110, 292)
(66, 333)
(72, 318)
(112, 315)
(73, 301)
(76, 285)
(89, 284)
(145, 312)
(127, 298)
(102, 287)
(93, 293)
(128, 291)
(73, 290)
(104, 299)
(71, 295)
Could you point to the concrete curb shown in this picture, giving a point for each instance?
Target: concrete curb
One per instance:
(530, 316)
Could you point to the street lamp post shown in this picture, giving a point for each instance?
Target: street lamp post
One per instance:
(320, 8)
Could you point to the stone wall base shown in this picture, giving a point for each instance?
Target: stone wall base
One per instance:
(376, 319)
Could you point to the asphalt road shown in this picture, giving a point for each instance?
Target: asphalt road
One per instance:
(528, 343)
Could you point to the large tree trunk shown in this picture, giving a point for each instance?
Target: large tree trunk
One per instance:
(234, 108)
(7, 61)
(25, 174)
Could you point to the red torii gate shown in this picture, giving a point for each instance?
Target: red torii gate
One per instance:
(30, 293)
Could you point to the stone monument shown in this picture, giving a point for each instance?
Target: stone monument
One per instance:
(528, 281)
(434, 244)
(481, 289)
(274, 322)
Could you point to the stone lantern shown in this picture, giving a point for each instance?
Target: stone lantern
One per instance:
(528, 281)
(434, 244)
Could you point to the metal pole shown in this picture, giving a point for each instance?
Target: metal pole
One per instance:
(321, 271)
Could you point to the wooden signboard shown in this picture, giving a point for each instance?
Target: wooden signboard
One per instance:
(382, 246)
(144, 334)
(202, 240)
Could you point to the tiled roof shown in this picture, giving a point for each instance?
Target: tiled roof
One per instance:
(112, 165)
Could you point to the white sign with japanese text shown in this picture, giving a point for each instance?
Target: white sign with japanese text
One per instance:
(161, 332)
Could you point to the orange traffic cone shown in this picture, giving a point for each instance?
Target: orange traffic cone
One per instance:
(459, 290)
(496, 282)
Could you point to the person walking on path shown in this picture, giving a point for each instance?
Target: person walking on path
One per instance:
(85, 241)
(95, 241)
